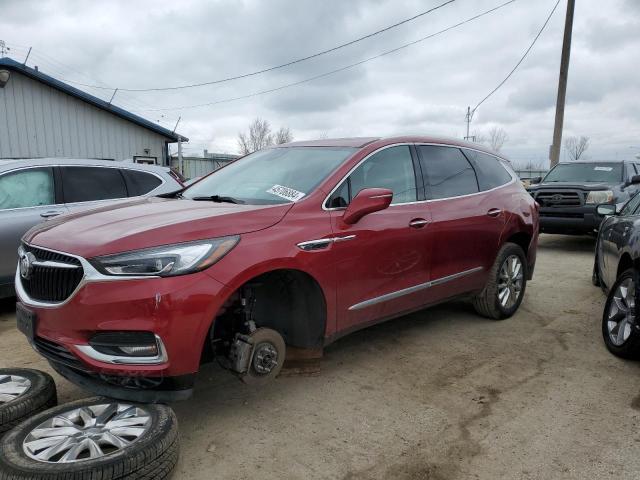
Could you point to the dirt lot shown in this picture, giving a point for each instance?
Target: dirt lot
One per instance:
(441, 394)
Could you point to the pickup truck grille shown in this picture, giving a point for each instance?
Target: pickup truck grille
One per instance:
(54, 276)
(559, 199)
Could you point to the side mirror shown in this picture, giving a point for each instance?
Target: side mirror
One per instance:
(367, 201)
(535, 180)
(635, 180)
(606, 209)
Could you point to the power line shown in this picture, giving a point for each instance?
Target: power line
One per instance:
(519, 62)
(341, 69)
(276, 67)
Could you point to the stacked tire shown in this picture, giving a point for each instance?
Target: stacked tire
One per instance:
(91, 438)
(23, 393)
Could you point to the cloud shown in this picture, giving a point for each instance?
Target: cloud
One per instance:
(425, 88)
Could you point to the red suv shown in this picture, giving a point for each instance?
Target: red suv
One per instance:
(295, 245)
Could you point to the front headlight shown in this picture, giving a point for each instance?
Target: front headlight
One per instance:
(167, 260)
(600, 196)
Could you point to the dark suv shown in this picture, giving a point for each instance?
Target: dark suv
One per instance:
(570, 193)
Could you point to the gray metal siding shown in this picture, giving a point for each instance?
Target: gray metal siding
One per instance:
(39, 121)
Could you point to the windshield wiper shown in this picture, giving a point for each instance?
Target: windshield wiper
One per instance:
(218, 199)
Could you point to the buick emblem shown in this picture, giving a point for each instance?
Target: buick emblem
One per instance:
(26, 265)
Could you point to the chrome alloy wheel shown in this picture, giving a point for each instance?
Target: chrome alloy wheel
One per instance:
(510, 281)
(621, 314)
(86, 433)
(12, 386)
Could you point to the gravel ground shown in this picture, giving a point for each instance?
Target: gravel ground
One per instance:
(441, 394)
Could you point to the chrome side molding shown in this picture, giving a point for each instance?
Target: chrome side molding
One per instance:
(406, 291)
(322, 243)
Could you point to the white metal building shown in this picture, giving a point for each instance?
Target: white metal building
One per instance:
(44, 117)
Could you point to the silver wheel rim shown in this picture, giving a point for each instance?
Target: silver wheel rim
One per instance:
(510, 281)
(12, 387)
(621, 314)
(87, 433)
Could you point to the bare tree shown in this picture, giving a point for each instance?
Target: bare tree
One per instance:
(258, 137)
(576, 146)
(283, 135)
(497, 138)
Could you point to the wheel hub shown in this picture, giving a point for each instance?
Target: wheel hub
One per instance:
(265, 358)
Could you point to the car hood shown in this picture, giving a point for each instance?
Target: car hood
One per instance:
(149, 222)
(586, 186)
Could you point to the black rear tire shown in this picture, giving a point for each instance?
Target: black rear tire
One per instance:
(40, 395)
(630, 348)
(152, 456)
(487, 302)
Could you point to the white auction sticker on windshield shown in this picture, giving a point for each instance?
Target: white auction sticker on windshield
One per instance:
(286, 193)
(603, 169)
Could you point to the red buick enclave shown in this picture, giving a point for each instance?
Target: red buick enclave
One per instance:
(289, 247)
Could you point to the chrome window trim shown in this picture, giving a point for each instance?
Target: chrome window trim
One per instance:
(416, 288)
(92, 353)
(90, 275)
(500, 159)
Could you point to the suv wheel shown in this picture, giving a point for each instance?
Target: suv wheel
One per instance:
(93, 438)
(24, 392)
(619, 320)
(505, 288)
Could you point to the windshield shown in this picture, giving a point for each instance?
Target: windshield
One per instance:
(272, 176)
(585, 173)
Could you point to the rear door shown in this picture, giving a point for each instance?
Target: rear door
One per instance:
(27, 197)
(89, 186)
(467, 220)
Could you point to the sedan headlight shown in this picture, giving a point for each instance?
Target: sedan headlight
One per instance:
(167, 260)
(600, 196)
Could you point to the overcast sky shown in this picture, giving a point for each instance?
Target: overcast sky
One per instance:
(425, 88)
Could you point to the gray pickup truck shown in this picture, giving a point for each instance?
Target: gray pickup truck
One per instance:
(570, 193)
(33, 190)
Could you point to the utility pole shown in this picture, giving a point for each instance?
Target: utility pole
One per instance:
(469, 118)
(180, 165)
(562, 85)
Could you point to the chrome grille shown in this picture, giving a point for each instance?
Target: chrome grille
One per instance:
(559, 199)
(50, 283)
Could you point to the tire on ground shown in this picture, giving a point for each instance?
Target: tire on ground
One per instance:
(39, 396)
(486, 303)
(152, 456)
(630, 349)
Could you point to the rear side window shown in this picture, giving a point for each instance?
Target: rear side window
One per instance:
(390, 168)
(447, 171)
(140, 183)
(31, 187)
(491, 173)
(86, 184)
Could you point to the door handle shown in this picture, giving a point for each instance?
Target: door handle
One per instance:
(418, 223)
(494, 212)
(50, 214)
